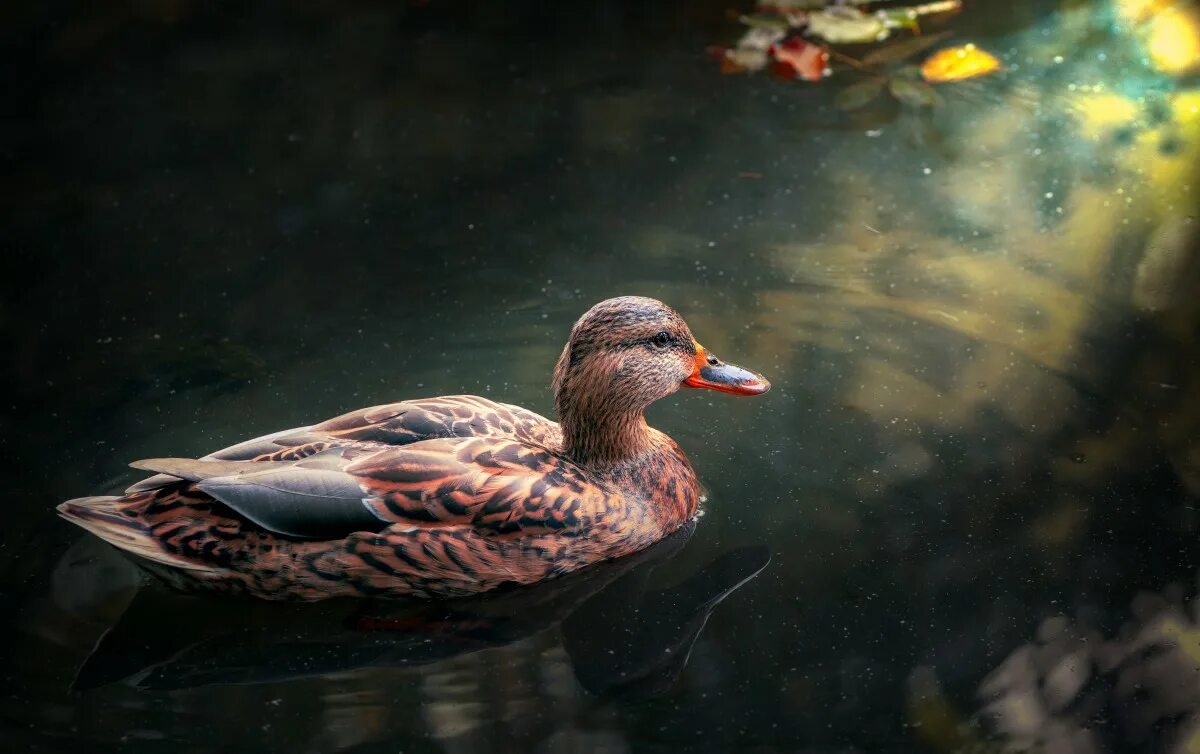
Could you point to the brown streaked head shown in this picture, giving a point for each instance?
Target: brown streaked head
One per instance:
(627, 352)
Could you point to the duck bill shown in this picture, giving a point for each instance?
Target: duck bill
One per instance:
(713, 374)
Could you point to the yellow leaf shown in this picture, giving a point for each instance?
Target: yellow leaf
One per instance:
(958, 63)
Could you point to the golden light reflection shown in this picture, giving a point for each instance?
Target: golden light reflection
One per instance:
(1140, 10)
(1174, 40)
(1025, 297)
(1099, 114)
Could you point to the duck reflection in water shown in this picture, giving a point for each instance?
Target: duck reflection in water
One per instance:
(623, 636)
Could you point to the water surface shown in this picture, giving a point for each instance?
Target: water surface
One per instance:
(975, 479)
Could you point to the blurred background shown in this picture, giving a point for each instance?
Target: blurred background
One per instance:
(977, 298)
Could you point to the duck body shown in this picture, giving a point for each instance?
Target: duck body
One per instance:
(438, 497)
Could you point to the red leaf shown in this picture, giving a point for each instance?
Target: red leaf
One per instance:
(798, 58)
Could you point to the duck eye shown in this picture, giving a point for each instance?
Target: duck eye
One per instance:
(663, 339)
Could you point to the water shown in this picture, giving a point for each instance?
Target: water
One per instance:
(975, 479)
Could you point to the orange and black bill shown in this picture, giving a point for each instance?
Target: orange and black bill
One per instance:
(714, 374)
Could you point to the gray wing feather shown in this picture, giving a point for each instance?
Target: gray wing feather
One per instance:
(310, 498)
(150, 483)
(195, 470)
(316, 503)
(258, 446)
(242, 451)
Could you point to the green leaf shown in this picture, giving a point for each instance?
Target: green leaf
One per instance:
(795, 5)
(913, 93)
(901, 20)
(903, 49)
(841, 25)
(860, 94)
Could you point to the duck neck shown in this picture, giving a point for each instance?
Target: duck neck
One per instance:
(598, 436)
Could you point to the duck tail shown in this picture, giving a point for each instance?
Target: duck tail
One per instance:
(103, 516)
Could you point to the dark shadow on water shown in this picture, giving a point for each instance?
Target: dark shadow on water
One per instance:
(624, 636)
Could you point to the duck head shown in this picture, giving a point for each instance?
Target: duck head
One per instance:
(624, 354)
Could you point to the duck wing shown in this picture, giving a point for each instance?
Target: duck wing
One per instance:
(309, 498)
(246, 450)
(399, 423)
(447, 416)
(490, 486)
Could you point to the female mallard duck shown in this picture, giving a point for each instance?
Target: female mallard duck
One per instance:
(442, 496)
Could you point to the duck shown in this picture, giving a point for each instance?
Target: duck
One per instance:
(438, 497)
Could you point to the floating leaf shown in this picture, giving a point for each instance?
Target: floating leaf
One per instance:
(751, 52)
(907, 17)
(845, 25)
(760, 38)
(913, 93)
(859, 95)
(799, 58)
(792, 5)
(900, 20)
(903, 49)
(958, 63)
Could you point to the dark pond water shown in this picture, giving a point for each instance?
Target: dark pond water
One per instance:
(965, 518)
